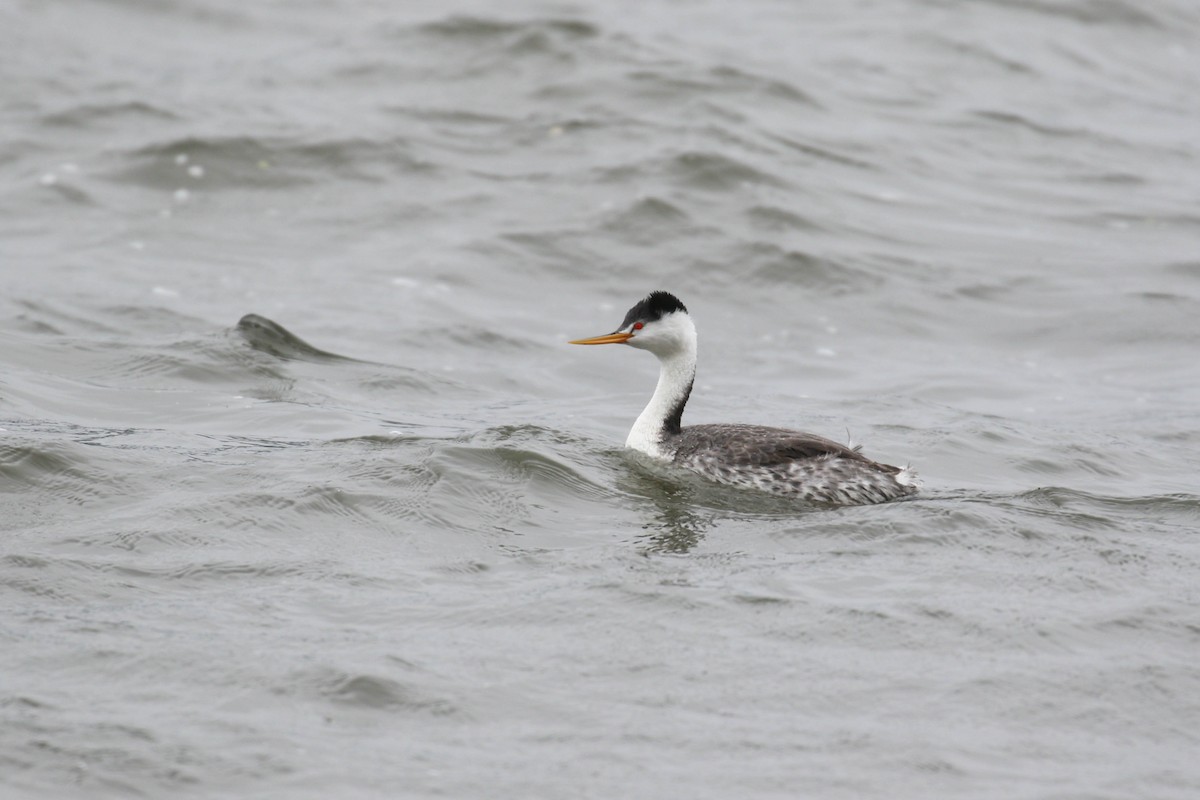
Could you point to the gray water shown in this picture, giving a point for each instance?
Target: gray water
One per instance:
(413, 560)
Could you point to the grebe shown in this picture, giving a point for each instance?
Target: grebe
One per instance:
(775, 460)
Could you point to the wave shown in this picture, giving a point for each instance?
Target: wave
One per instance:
(474, 29)
(774, 265)
(271, 337)
(152, 366)
(265, 162)
(649, 220)
(116, 114)
(1118, 13)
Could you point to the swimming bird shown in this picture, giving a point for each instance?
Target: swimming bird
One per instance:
(776, 460)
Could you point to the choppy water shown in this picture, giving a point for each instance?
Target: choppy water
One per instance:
(409, 557)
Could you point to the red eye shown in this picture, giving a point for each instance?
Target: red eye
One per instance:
(637, 326)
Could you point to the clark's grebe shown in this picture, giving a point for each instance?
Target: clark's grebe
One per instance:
(776, 460)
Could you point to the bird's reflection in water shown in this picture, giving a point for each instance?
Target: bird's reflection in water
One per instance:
(674, 522)
(683, 508)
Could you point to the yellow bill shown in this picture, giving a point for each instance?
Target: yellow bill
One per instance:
(608, 338)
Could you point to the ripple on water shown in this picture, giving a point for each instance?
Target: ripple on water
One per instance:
(828, 153)
(55, 319)
(505, 487)
(116, 115)
(773, 219)
(715, 172)
(62, 470)
(235, 162)
(366, 691)
(472, 30)
(678, 86)
(63, 749)
(258, 358)
(649, 220)
(1117, 13)
(1181, 510)
(379, 488)
(482, 47)
(773, 265)
(692, 170)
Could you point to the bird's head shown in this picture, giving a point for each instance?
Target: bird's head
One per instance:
(659, 323)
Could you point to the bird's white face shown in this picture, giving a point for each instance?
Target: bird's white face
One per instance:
(665, 336)
(670, 334)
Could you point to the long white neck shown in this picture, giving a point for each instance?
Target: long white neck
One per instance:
(661, 417)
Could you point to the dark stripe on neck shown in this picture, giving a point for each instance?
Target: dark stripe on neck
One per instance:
(674, 420)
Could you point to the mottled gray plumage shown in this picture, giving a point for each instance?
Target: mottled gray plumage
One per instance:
(785, 462)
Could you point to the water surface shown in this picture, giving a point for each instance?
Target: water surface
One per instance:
(399, 551)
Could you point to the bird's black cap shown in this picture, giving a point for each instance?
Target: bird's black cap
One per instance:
(656, 306)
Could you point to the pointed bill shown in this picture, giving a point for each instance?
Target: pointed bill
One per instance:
(608, 338)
